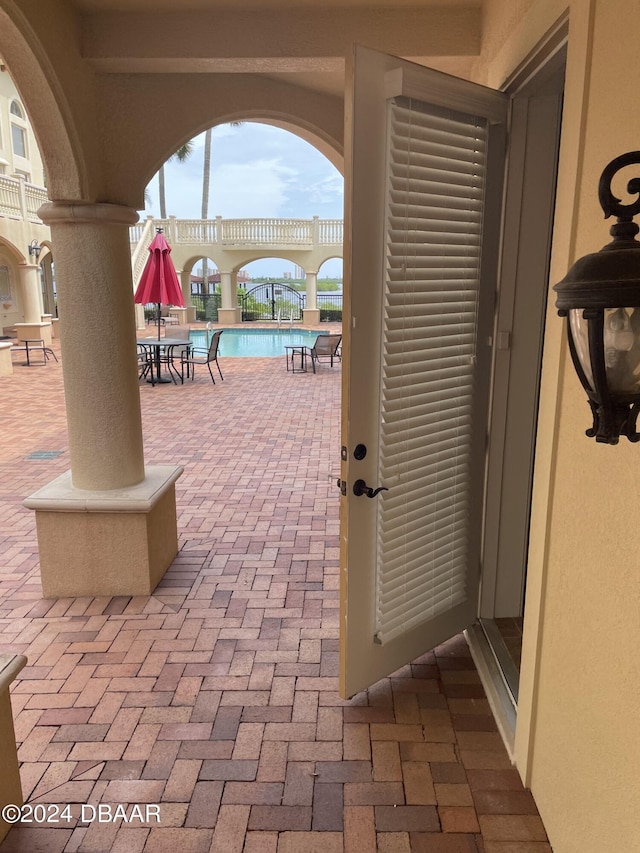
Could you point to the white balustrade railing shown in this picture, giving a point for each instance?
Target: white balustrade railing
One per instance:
(36, 197)
(239, 233)
(196, 230)
(330, 231)
(274, 232)
(19, 200)
(9, 196)
(144, 233)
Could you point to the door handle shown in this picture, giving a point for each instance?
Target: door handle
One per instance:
(360, 488)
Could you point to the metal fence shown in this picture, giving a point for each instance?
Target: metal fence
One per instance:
(272, 301)
(330, 305)
(206, 305)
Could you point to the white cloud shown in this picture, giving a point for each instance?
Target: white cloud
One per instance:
(326, 190)
(253, 189)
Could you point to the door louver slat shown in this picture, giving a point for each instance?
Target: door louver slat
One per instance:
(435, 174)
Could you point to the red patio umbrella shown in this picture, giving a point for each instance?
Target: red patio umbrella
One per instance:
(159, 281)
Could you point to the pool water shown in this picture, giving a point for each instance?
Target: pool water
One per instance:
(256, 342)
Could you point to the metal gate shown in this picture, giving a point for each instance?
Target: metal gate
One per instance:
(271, 301)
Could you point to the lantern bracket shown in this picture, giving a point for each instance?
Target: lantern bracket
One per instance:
(610, 204)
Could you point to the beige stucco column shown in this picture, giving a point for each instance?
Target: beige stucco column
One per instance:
(94, 522)
(229, 311)
(97, 330)
(29, 277)
(33, 327)
(47, 275)
(185, 284)
(311, 313)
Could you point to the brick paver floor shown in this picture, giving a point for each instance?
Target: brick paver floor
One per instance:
(216, 697)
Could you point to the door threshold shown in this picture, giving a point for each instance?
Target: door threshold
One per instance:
(501, 701)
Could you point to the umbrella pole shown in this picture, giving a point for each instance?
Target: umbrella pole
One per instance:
(159, 304)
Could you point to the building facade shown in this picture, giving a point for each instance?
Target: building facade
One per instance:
(25, 292)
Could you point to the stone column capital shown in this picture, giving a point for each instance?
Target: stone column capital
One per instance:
(76, 212)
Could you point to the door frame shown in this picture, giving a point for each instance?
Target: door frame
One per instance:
(538, 74)
(519, 331)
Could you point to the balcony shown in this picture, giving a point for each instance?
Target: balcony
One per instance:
(247, 233)
(20, 200)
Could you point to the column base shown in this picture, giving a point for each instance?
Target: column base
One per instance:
(310, 316)
(106, 543)
(229, 316)
(6, 365)
(191, 314)
(10, 786)
(180, 314)
(34, 331)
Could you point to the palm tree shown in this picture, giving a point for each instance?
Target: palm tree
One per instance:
(206, 171)
(206, 177)
(183, 153)
(206, 174)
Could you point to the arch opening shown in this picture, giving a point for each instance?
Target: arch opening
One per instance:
(255, 169)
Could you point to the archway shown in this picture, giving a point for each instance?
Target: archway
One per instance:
(272, 195)
(43, 94)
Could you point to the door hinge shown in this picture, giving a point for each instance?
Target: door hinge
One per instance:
(504, 340)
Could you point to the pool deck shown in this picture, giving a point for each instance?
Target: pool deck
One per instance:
(216, 697)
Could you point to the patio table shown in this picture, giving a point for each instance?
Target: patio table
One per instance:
(291, 351)
(157, 344)
(29, 345)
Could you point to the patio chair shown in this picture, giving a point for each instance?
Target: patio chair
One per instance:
(203, 356)
(145, 364)
(172, 355)
(326, 348)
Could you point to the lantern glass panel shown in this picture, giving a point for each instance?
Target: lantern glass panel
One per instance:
(580, 333)
(621, 347)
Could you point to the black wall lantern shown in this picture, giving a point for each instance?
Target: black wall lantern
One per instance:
(34, 249)
(600, 297)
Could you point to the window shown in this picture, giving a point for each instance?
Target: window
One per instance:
(16, 110)
(5, 285)
(19, 141)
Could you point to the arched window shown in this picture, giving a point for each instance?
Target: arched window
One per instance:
(5, 285)
(16, 109)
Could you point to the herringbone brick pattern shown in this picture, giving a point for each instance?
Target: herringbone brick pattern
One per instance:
(216, 697)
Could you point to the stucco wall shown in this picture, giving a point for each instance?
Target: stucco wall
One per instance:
(579, 709)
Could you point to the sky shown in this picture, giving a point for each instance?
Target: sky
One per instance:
(256, 171)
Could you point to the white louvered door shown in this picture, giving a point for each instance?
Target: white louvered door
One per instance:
(424, 168)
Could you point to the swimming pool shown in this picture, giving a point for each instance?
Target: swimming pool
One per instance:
(256, 342)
